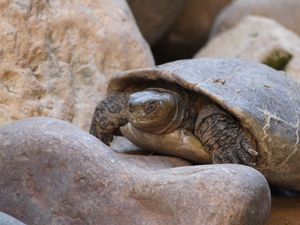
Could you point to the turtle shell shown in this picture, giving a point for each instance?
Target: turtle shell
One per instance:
(264, 100)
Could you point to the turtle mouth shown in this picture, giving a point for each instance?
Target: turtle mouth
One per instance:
(137, 119)
(138, 116)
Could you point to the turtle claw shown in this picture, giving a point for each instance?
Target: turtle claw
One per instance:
(252, 151)
(235, 157)
(252, 164)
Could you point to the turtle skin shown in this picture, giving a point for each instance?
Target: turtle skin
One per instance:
(216, 129)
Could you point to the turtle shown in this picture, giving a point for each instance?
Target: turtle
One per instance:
(230, 110)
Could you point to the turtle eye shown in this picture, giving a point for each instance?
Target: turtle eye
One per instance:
(150, 107)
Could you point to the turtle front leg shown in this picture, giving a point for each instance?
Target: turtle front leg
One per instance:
(108, 116)
(222, 138)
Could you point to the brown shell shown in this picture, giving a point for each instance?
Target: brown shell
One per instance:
(266, 101)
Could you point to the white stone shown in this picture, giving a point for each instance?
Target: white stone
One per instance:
(256, 39)
(285, 12)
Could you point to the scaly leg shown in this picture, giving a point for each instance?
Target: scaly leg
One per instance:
(108, 116)
(222, 138)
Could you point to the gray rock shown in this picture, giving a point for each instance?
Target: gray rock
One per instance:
(258, 39)
(0, 160)
(285, 12)
(8, 220)
(54, 173)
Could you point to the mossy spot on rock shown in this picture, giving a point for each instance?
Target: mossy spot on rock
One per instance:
(278, 59)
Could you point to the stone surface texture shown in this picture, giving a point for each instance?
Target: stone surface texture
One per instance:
(284, 211)
(55, 56)
(0, 160)
(191, 28)
(285, 12)
(258, 39)
(154, 17)
(8, 220)
(55, 173)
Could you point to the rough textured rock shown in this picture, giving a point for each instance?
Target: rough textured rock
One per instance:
(154, 17)
(57, 55)
(54, 173)
(284, 211)
(191, 28)
(258, 39)
(285, 12)
(8, 220)
(0, 160)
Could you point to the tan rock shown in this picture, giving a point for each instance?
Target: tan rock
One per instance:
(55, 173)
(154, 17)
(285, 12)
(284, 211)
(258, 39)
(56, 56)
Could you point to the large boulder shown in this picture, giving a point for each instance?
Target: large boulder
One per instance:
(55, 173)
(261, 40)
(56, 56)
(285, 12)
(190, 30)
(0, 160)
(154, 17)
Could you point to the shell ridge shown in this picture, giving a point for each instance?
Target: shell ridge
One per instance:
(297, 125)
(233, 72)
(264, 100)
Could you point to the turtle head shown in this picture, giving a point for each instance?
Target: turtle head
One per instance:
(153, 110)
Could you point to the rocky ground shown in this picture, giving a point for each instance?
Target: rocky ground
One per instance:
(284, 210)
(55, 60)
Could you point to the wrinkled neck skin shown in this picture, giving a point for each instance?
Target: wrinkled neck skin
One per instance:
(159, 111)
(185, 116)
